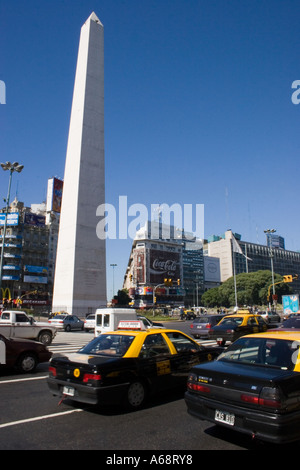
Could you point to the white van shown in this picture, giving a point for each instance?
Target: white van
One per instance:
(107, 319)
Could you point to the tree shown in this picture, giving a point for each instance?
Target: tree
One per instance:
(252, 289)
(122, 298)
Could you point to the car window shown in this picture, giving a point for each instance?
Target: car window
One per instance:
(21, 318)
(260, 321)
(232, 320)
(145, 321)
(108, 345)
(154, 345)
(252, 321)
(203, 320)
(181, 342)
(5, 316)
(262, 351)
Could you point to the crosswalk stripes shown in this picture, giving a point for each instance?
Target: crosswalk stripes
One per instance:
(69, 345)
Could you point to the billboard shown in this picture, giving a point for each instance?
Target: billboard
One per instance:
(140, 266)
(54, 194)
(290, 303)
(164, 264)
(212, 269)
(36, 220)
(12, 218)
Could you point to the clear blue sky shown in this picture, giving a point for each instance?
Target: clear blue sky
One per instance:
(198, 106)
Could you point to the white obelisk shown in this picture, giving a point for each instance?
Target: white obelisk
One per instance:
(80, 270)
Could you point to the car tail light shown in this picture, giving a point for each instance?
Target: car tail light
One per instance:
(52, 371)
(88, 377)
(269, 397)
(192, 326)
(208, 325)
(198, 387)
(195, 386)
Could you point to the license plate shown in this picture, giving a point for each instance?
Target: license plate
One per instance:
(69, 391)
(224, 417)
(219, 339)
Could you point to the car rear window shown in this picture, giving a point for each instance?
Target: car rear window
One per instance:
(271, 352)
(108, 345)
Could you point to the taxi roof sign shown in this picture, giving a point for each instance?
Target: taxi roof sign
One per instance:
(131, 325)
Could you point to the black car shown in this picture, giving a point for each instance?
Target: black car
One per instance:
(232, 327)
(291, 322)
(253, 387)
(124, 366)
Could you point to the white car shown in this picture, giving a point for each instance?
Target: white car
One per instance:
(150, 324)
(90, 322)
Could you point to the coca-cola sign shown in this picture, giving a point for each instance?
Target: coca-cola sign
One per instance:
(164, 265)
(168, 266)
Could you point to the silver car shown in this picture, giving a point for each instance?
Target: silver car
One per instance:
(67, 322)
(201, 325)
(90, 322)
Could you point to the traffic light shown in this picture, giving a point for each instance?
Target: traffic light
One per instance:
(288, 278)
(168, 282)
(178, 282)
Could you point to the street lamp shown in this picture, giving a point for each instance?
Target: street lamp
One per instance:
(11, 167)
(113, 266)
(268, 231)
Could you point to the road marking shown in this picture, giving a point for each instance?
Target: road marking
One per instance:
(39, 418)
(22, 380)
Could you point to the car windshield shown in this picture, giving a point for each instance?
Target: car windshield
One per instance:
(108, 345)
(271, 352)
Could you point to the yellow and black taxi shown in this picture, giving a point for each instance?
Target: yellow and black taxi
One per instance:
(233, 326)
(253, 387)
(124, 366)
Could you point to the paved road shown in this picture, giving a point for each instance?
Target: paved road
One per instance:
(31, 418)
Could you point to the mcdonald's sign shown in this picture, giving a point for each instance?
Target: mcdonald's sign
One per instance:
(6, 293)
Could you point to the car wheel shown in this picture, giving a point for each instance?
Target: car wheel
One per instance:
(136, 394)
(68, 328)
(27, 362)
(45, 337)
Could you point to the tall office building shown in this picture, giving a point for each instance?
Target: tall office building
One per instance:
(252, 257)
(80, 271)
